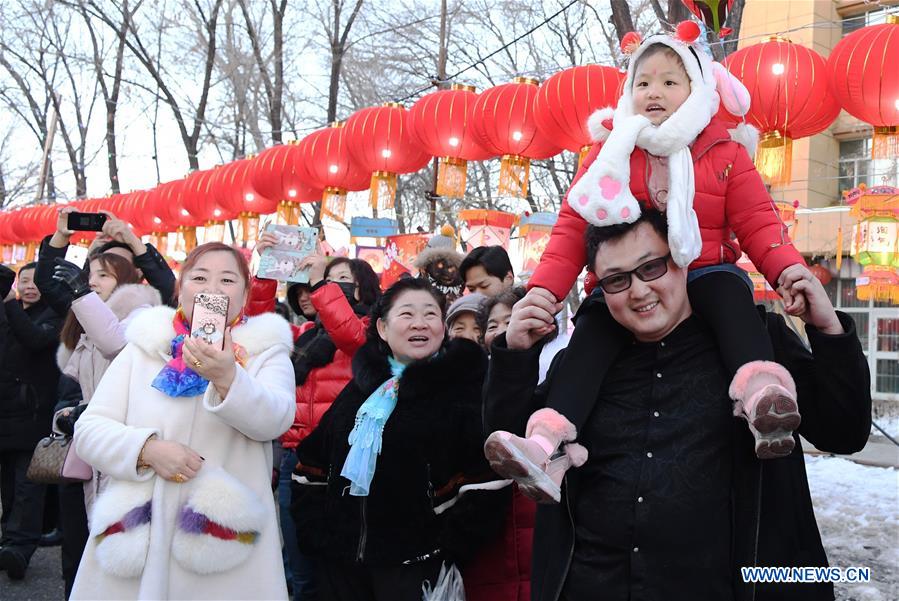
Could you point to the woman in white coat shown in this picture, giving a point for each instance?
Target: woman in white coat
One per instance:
(184, 431)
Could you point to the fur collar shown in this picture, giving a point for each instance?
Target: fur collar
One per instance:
(128, 297)
(458, 362)
(152, 332)
(600, 126)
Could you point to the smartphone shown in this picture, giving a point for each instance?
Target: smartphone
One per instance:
(210, 317)
(76, 254)
(86, 222)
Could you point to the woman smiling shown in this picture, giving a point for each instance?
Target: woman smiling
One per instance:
(400, 447)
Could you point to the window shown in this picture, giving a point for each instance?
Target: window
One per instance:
(861, 327)
(856, 22)
(857, 167)
(887, 378)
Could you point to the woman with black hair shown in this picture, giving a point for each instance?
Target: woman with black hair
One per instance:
(399, 451)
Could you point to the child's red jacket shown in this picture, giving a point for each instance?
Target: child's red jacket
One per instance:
(730, 197)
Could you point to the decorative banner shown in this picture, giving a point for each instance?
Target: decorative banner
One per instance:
(366, 227)
(399, 254)
(534, 232)
(487, 228)
(374, 256)
(875, 241)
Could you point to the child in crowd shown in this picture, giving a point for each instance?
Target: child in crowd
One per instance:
(662, 147)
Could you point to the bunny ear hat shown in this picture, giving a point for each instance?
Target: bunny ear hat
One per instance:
(602, 196)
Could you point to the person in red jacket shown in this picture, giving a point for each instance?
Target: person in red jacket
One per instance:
(342, 294)
(663, 148)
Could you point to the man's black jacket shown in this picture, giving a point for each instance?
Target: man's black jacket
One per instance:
(833, 385)
(28, 373)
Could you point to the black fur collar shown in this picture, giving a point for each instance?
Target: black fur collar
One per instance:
(457, 362)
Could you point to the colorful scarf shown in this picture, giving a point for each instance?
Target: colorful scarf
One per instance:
(178, 380)
(365, 438)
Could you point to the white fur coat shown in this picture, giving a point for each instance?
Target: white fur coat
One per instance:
(161, 558)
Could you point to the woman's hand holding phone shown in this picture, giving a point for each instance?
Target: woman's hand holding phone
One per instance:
(217, 365)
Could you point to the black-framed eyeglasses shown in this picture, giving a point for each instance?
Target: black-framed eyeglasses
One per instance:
(647, 272)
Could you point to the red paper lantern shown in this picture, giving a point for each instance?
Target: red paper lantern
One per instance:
(325, 163)
(198, 198)
(504, 123)
(789, 89)
(864, 75)
(441, 123)
(380, 142)
(566, 100)
(233, 189)
(822, 273)
(274, 175)
(138, 211)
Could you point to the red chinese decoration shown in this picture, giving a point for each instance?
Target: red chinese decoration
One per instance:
(324, 162)
(713, 13)
(233, 190)
(864, 76)
(274, 175)
(380, 142)
(441, 122)
(789, 89)
(504, 124)
(822, 273)
(566, 100)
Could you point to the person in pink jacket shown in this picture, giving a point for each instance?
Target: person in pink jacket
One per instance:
(662, 148)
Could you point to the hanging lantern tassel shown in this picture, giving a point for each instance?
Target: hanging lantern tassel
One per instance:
(382, 192)
(774, 157)
(213, 230)
(513, 176)
(30, 251)
(451, 175)
(886, 142)
(187, 238)
(839, 249)
(334, 203)
(249, 226)
(583, 155)
(288, 212)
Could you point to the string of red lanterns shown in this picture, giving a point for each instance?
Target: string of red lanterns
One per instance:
(518, 121)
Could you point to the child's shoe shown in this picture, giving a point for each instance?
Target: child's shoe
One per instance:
(536, 462)
(765, 396)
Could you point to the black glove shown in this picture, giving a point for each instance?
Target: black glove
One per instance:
(75, 278)
(7, 277)
(66, 423)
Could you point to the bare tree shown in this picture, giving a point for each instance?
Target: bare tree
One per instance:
(206, 18)
(338, 33)
(112, 87)
(273, 83)
(36, 53)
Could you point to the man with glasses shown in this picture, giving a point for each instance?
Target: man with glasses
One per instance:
(671, 501)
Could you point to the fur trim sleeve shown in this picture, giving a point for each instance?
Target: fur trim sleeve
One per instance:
(261, 406)
(598, 131)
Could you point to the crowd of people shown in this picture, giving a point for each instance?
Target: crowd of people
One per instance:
(447, 437)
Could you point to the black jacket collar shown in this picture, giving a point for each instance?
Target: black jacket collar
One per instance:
(457, 361)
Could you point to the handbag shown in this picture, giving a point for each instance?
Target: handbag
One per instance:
(55, 461)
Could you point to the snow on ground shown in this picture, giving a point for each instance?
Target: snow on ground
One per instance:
(890, 423)
(857, 508)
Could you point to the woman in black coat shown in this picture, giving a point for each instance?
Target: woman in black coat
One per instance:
(428, 499)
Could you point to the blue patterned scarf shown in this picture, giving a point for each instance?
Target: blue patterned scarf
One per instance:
(365, 438)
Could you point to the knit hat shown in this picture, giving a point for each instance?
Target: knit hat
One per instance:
(470, 303)
(602, 196)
